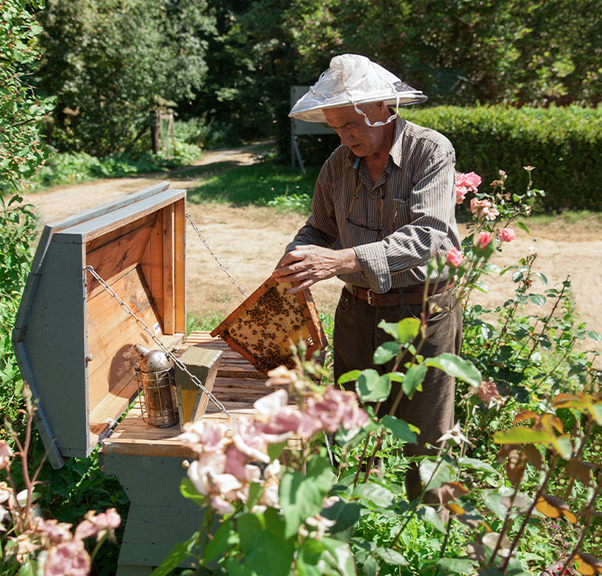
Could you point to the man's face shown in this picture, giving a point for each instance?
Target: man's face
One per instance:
(353, 131)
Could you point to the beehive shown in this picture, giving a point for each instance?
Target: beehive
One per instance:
(266, 324)
(74, 344)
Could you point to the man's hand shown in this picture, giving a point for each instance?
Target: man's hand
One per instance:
(310, 264)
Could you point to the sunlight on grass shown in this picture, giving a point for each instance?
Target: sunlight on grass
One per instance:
(258, 184)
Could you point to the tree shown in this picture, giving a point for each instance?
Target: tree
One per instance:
(110, 61)
(21, 109)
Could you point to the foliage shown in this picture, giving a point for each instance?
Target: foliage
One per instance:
(110, 63)
(29, 542)
(522, 384)
(562, 143)
(67, 168)
(21, 109)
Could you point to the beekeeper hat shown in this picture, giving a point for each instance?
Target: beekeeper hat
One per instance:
(352, 80)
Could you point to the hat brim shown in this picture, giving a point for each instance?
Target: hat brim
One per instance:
(309, 111)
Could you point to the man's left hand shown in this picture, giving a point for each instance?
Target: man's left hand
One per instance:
(309, 264)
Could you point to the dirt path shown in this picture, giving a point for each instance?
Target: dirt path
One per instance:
(250, 240)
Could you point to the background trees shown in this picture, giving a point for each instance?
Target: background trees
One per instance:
(109, 62)
(231, 62)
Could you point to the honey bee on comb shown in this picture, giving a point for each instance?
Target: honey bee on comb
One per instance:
(263, 327)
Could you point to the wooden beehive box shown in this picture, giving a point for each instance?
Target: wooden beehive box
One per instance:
(74, 345)
(72, 338)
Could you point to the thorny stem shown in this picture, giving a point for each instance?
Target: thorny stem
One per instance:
(528, 514)
(586, 525)
(505, 525)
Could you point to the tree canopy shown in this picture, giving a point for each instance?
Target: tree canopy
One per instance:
(231, 62)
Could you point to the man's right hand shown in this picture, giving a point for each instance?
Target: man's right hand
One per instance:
(308, 264)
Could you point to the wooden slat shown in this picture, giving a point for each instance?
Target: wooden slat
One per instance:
(168, 271)
(115, 259)
(180, 266)
(152, 265)
(112, 333)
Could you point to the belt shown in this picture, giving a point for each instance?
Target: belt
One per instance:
(410, 295)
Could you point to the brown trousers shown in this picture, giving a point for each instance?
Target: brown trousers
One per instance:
(357, 336)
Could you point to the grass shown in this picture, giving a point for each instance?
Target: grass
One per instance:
(259, 184)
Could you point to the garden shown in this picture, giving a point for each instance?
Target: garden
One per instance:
(517, 486)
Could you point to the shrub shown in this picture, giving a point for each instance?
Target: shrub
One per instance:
(563, 144)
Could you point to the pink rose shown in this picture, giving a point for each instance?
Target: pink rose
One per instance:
(466, 183)
(484, 209)
(483, 240)
(454, 257)
(507, 235)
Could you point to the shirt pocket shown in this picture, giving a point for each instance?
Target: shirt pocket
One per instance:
(402, 211)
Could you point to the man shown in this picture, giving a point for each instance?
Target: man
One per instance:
(383, 207)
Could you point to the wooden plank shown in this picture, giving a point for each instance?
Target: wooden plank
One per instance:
(113, 259)
(112, 334)
(117, 219)
(152, 266)
(168, 271)
(180, 266)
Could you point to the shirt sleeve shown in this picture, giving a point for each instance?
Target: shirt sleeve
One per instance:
(430, 214)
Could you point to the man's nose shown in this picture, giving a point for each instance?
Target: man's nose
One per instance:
(344, 135)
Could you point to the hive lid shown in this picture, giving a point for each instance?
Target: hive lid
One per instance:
(72, 339)
(265, 325)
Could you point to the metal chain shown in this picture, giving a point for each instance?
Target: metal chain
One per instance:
(169, 353)
(214, 255)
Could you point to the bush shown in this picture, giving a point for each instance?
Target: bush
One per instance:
(563, 144)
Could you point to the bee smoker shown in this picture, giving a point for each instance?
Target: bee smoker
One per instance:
(156, 385)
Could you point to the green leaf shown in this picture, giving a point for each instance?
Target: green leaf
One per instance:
(457, 565)
(434, 475)
(188, 490)
(346, 516)
(274, 450)
(27, 569)
(255, 492)
(401, 429)
(537, 299)
(543, 279)
(349, 376)
(371, 387)
(178, 554)
(522, 226)
(413, 379)
(596, 412)
(375, 493)
(429, 514)
(477, 465)
(263, 539)
(404, 331)
(342, 556)
(594, 336)
(391, 556)
(386, 352)
(521, 435)
(457, 367)
(216, 545)
(302, 496)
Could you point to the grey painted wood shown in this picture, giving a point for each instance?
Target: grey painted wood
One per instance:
(125, 570)
(108, 207)
(113, 218)
(52, 348)
(159, 516)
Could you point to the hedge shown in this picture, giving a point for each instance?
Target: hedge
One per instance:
(563, 144)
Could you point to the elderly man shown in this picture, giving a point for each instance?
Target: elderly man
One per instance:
(383, 207)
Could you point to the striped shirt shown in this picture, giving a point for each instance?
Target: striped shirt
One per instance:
(395, 225)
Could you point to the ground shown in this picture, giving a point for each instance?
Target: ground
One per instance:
(249, 241)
